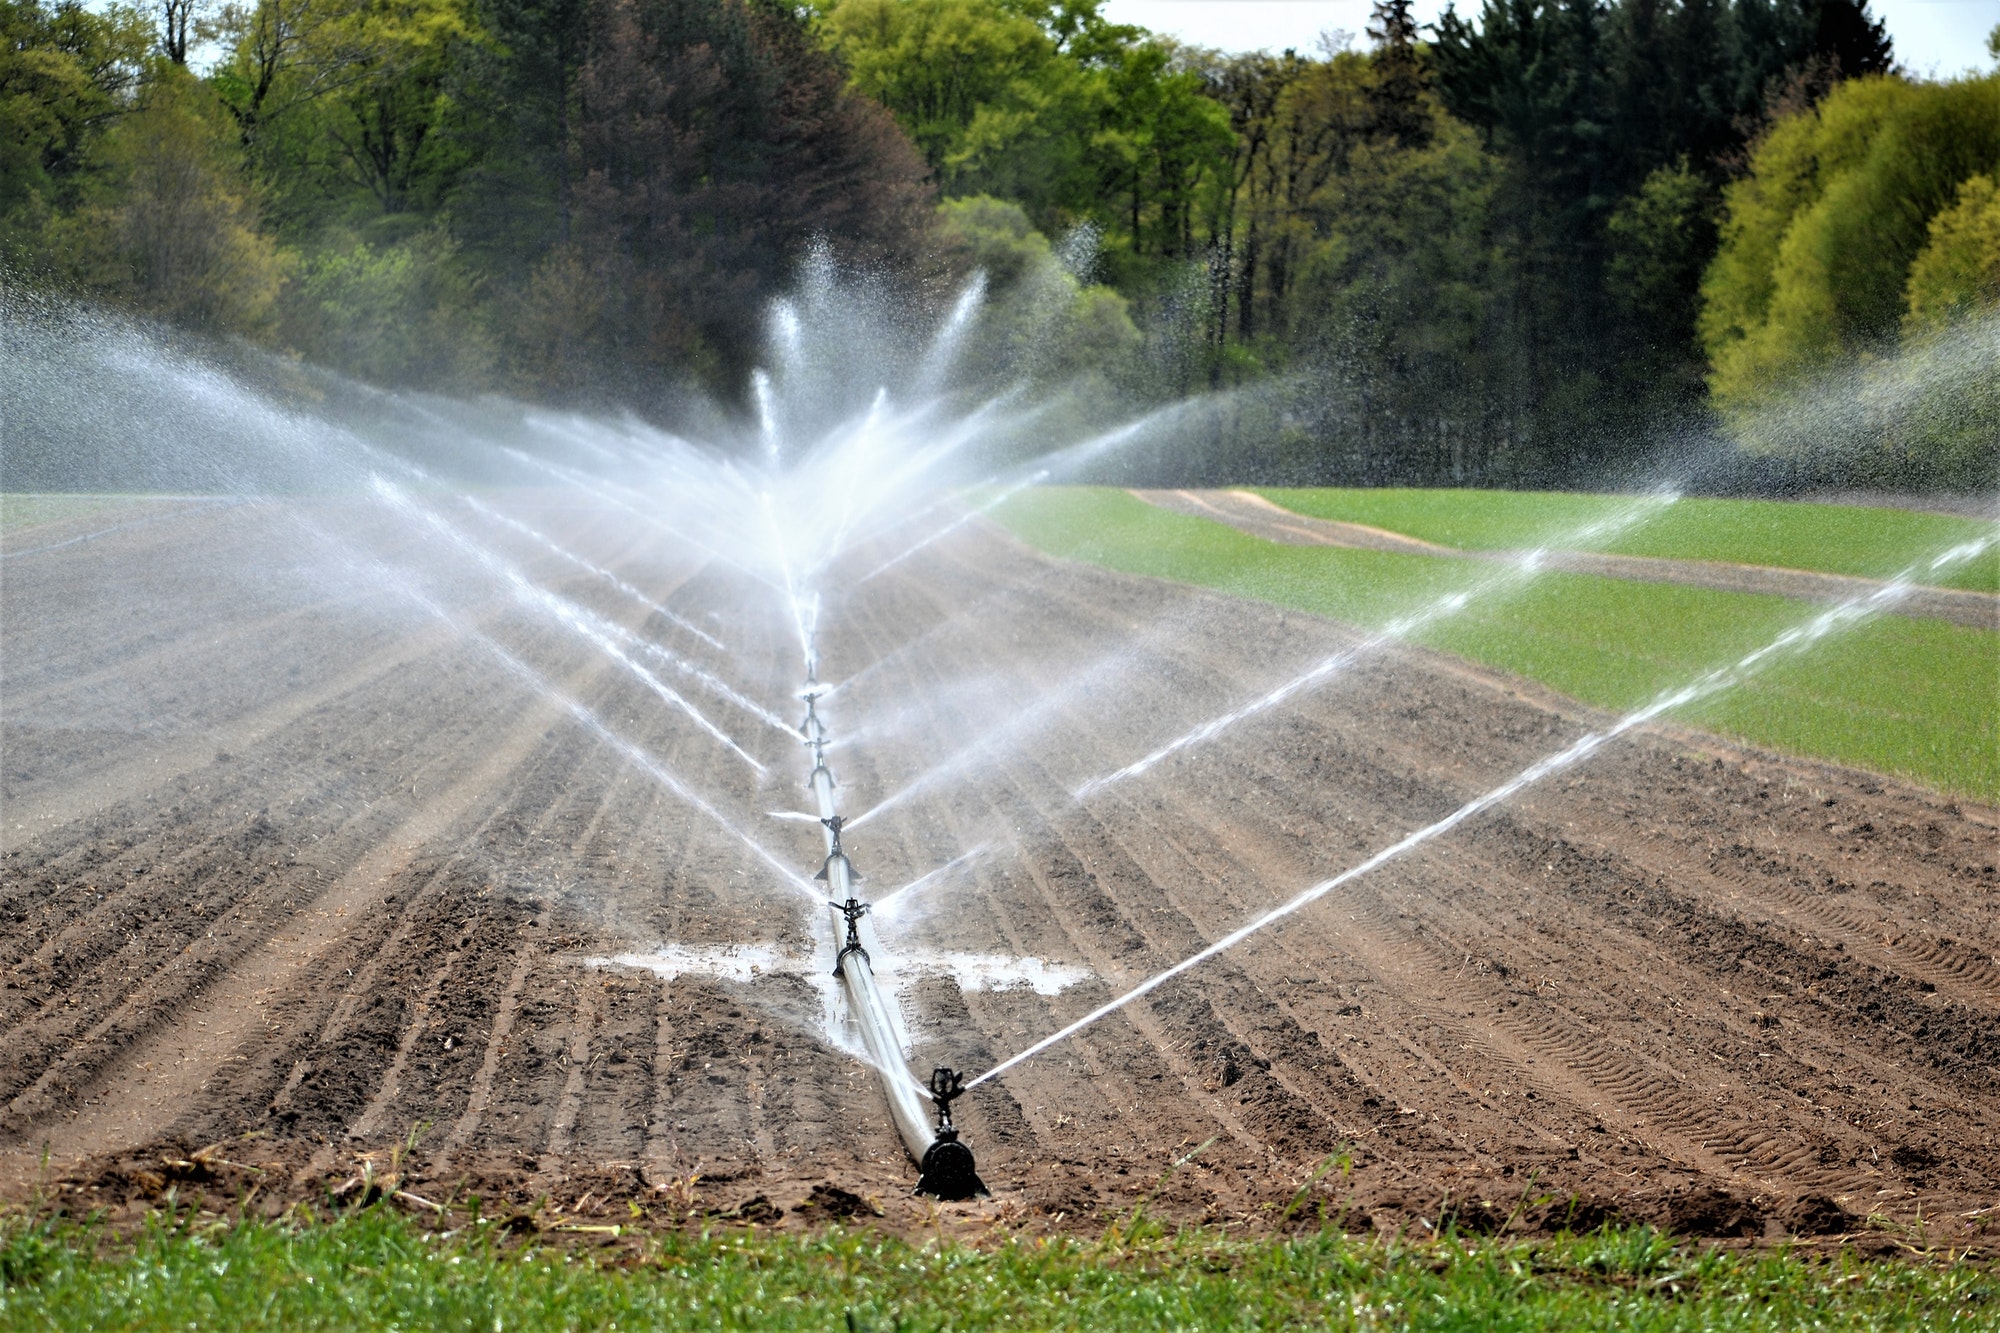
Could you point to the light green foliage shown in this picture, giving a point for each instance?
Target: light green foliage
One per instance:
(975, 82)
(1958, 271)
(376, 1271)
(179, 233)
(1039, 319)
(1899, 695)
(393, 314)
(992, 235)
(1857, 218)
(1158, 157)
(345, 104)
(119, 172)
(65, 75)
(1820, 236)
(1836, 539)
(1047, 104)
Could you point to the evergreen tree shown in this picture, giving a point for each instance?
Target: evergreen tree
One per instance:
(1397, 97)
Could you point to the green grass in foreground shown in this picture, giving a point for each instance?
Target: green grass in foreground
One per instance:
(1836, 539)
(1897, 694)
(378, 1271)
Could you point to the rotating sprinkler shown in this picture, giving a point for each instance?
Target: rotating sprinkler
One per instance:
(948, 1171)
(945, 1164)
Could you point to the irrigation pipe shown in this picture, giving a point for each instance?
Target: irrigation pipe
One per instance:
(946, 1167)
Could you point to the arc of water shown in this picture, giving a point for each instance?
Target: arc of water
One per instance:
(586, 624)
(555, 548)
(399, 582)
(888, 514)
(191, 507)
(854, 454)
(892, 904)
(760, 388)
(945, 344)
(865, 437)
(991, 503)
(1844, 615)
(989, 744)
(659, 652)
(1049, 465)
(608, 495)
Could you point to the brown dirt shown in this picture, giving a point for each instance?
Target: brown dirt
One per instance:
(295, 876)
(1252, 513)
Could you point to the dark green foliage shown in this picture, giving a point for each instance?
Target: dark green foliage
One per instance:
(1660, 240)
(570, 198)
(1396, 101)
(1479, 259)
(520, 89)
(712, 142)
(1619, 124)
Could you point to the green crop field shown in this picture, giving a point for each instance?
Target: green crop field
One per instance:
(26, 511)
(1896, 694)
(1836, 539)
(376, 1270)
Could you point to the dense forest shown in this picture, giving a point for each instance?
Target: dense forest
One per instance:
(1539, 243)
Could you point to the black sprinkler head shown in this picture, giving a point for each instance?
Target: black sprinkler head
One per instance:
(948, 1171)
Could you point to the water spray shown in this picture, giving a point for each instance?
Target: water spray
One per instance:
(1841, 616)
(562, 552)
(1517, 574)
(399, 582)
(594, 629)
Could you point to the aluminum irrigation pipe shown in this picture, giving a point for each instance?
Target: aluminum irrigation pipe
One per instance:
(946, 1167)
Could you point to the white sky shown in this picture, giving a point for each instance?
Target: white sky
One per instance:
(1935, 38)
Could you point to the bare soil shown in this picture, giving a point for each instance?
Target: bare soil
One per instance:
(301, 885)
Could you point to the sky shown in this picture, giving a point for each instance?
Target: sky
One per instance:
(1934, 38)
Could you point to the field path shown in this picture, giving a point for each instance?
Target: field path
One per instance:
(1249, 512)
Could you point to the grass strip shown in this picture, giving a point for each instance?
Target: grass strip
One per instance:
(1898, 694)
(378, 1270)
(22, 510)
(1833, 539)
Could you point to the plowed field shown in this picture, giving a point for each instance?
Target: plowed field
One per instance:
(295, 867)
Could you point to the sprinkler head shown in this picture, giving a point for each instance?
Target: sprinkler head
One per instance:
(853, 909)
(948, 1171)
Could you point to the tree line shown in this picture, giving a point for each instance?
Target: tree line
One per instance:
(1522, 245)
